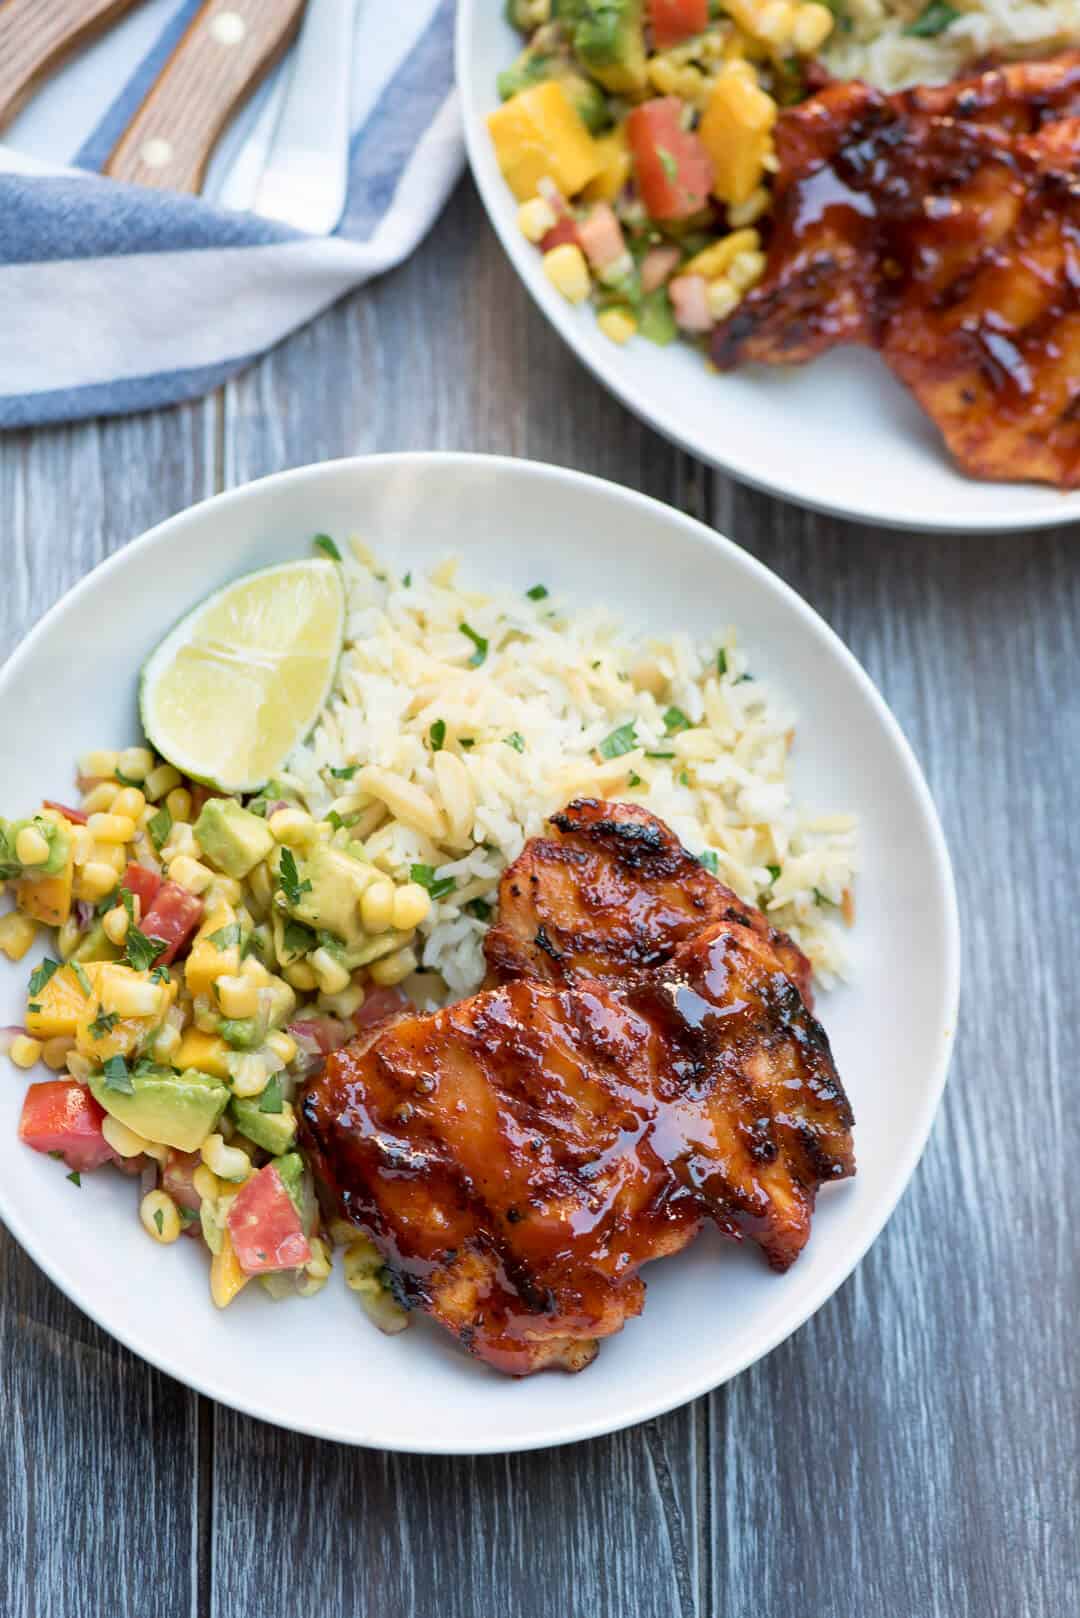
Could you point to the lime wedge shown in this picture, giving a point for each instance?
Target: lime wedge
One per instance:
(242, 679)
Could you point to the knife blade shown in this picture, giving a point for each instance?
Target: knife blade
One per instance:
(306, 178)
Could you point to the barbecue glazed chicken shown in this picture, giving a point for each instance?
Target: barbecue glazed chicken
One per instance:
(941, 226)
(653, 1064)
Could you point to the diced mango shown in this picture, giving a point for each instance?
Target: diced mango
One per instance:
(97, 1035)
(226, 1276)
(206, 1052)
(539, 134)
(61, 1003)
(736, 131)
(48, 898)
(613, 154)
(206, 962)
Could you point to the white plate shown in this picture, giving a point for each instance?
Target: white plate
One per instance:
(317, 1365)
(840, 435)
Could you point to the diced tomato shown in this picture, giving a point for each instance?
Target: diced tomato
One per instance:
(657, 265)
(601, 237)
(60, 1116)
(673, 170)
(265, 1226)
(173, 916)
(378, 1005)
(563, 232)
(76, 816)
(676, 20)
(144, 884)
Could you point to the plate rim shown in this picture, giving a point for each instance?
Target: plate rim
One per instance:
(985, 520)
(646, 1408)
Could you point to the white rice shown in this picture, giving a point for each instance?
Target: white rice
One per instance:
(553, 686)
(874, 45)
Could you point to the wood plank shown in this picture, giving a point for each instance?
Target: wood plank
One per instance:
(913, 1448)
(449, 353)
(99, 1471)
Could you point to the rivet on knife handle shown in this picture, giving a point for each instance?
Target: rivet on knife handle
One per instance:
(227, 48)
(37, 37)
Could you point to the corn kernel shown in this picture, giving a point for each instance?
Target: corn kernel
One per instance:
(79, 1066)
(68, 938)
(82, 845)
(283, 1046)
(377, 907)
(566, 269)
(721, 297)
(330, 974)
(124, 1141)
(178, 803)
(160, 1217)
(535, 218)
(128, 801)
(412, 905)
(206, 1184)
(618, 325)
(111, 828)
(249, 1074)
(115, 924)
(114, 855)
(182, 840)
(54, 1052)
(17, 934)
(99, 798)
(260, 888)
(237, 996)
(190, 874)
(300, 975)
(345, 1004)
(101, 764)
(741, 214)
(226, 1162)
(775, 22)
(393, 969)
(293, 827)
(161, 781)
(25, 1052)
(746, 269)
(31, 847)
(135, 763)
(813, 25)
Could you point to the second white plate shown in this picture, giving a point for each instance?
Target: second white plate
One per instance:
(840, 435)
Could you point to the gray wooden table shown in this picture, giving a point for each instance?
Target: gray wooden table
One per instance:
(912, 1451)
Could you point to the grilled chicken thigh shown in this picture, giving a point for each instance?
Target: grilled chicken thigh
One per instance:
(941, 226)
(518, 1156)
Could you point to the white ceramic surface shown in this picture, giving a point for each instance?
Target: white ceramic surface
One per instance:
(317, 1365)
(840, 435)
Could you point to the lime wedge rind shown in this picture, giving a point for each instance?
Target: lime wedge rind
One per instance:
(241, 680)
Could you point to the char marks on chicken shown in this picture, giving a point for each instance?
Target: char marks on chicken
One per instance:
(651, 1064)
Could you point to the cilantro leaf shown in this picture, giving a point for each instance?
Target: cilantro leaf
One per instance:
(271, 1100)
(933, 20)
(516, 741)
(159, 1220)
(103, 1024)
(437, 886)
(539, 592)
(466, 741)
(159, 826)
(345, 773)
(41, 975)
(480, 644)
(649, 754)
(479, 908)
(437, 735)
(289, 878)
(820, 899)
(75, 1177)
(407, 579)
(324, 543)
(81, 978)
(621, 740)
(721, 662)
(160, 974)
(340, 821)
(226, 937)
(774, 872)
(710, 859)
(117, 1076)
(633, 779)
(297, 938)
(675, 720)
(142, 951)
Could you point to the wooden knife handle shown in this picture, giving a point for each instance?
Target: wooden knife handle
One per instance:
(37, 37)
(227, 48)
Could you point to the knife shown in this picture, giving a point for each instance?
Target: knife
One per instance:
(38, 36)
(225, 52)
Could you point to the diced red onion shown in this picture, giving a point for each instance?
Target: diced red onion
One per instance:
(148, 1179)
(278, 803)
(84, 913)
(8, 1036)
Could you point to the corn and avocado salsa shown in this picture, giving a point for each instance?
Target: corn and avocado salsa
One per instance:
(637, 138)
(205, 951)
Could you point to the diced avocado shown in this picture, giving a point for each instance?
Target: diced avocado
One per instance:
(609, 41)
(95, 946)
(275, 1132)
(174, 1109)
(656, 318)
(535, 66)
(297, 1182)
(242, 1033)
(55, 833)
(332, 903)
(232, 838)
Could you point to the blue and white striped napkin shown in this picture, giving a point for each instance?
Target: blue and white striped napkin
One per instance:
(114, 298)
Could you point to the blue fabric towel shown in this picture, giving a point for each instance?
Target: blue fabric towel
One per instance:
(115, 298)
